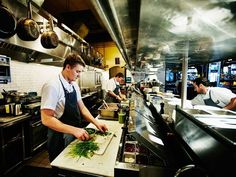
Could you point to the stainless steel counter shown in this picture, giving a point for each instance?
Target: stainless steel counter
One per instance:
(10, 120)
(212, 145)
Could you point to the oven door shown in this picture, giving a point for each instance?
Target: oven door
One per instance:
(39, 135)
(36, 136)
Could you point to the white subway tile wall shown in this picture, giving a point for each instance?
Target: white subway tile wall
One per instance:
(29, 77)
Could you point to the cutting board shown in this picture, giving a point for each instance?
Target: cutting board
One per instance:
(103, 142)
(100, 165)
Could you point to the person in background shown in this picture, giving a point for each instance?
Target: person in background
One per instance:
(62, 108)
(212, 96)
(178, 85)
(113, 94)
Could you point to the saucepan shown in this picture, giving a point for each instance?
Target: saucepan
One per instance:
(27, 28)
(49, 39)
(8, 22)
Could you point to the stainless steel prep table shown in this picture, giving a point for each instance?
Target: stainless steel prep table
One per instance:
(97, 165)
(11, 120)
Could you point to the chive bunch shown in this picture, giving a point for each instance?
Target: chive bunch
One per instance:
(84, 149)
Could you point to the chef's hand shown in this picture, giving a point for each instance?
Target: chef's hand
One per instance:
(102, 127)
(123, 97)
(81, 134)
(118, 97)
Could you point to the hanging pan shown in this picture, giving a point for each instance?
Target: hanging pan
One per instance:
(49, 39)
(8, 22)
(27, 28)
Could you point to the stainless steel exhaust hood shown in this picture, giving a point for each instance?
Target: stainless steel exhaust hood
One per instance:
(33, 51)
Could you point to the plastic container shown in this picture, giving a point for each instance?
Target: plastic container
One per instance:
(121, 117)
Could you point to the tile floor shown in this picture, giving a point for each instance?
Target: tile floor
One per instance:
(36, 166)
(39, 160)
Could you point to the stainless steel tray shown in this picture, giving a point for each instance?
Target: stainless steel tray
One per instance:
(111, 112)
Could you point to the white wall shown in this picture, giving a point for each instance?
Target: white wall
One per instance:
(29, 77)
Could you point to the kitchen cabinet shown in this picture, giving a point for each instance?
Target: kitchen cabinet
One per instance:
(35, 131)
(12, 144)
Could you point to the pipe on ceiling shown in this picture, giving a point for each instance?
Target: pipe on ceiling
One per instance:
(106, 12)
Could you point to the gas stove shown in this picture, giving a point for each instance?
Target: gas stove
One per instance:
(32, 108)
(32, 99)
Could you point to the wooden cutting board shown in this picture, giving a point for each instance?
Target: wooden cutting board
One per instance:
(103, 142)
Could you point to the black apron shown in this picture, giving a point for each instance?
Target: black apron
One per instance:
(210, 102)
(57, 141)
(112, 99)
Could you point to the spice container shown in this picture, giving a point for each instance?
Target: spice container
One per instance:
(129, 158)
(130, 147)
(121, 117)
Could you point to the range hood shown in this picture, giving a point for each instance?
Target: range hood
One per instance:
(156, 32)
(33, 51)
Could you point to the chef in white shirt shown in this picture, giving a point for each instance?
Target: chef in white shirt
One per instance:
(113, 93)
(62, 108)
(212, 96)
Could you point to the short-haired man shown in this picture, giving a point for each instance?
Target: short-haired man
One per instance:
(113, 94)
(62, 108)
(212, 96)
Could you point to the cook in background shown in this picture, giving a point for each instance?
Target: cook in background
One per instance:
(113, 94)
(62, 108)
(212, 96)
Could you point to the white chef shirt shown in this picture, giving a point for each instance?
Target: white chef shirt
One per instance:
(53, 96)
(111, 84)
(220, 96)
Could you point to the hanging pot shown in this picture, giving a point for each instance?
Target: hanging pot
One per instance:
(8, 22)
(27, 28)
(49, 39)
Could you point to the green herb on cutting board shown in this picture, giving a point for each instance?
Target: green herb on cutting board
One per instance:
(102, 134)
(83, 149)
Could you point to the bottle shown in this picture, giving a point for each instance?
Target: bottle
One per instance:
(162, 108)
(131, 124)
(121, 116)
(129, 93)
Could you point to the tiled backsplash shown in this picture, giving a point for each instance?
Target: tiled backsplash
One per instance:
(29, 77)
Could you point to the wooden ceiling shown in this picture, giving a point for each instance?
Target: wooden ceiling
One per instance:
(80, 16)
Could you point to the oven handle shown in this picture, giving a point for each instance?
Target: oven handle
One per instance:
(36, 124)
